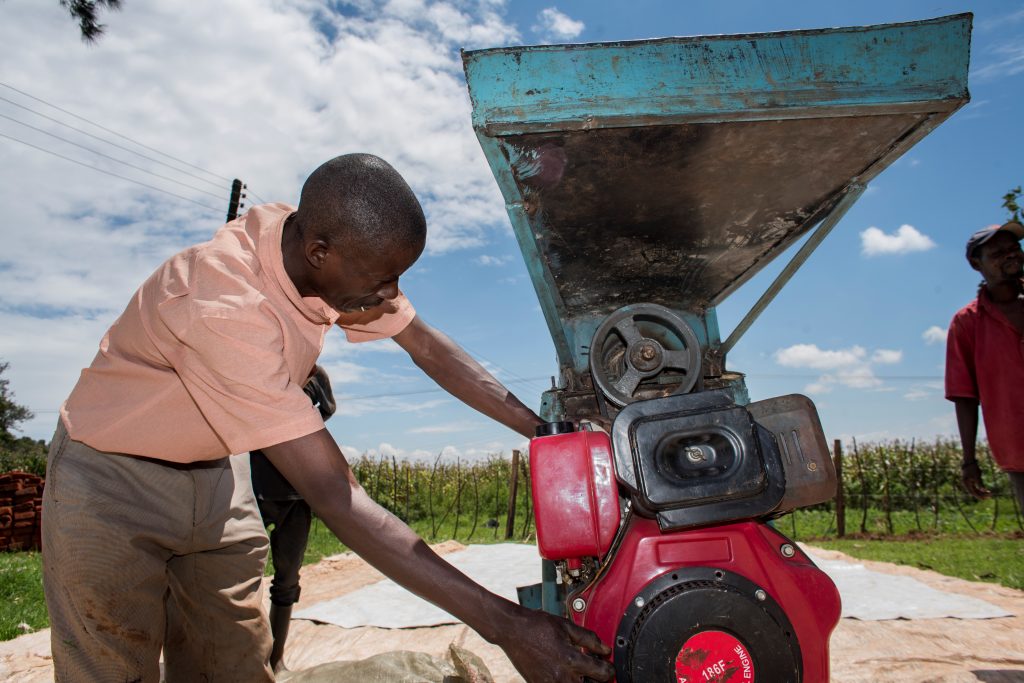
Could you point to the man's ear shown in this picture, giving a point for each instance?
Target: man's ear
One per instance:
(975, 263)
(317, 251)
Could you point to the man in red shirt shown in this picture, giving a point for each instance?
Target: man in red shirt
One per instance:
(985, 357)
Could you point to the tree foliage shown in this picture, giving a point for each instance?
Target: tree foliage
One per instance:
(86, 13)
(1011, 205)
(11, 414)
(17, 453)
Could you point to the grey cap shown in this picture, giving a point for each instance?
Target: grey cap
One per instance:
(985, 234)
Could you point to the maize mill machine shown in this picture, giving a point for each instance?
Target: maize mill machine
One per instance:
(646, 181)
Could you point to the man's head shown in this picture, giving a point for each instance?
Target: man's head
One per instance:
(995, 252)
(360, 227)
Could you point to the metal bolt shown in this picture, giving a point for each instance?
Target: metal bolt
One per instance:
(695, 455)
(639, 602)
(812, 466)
(787, 550)
(760, 595)
(579, 604)
(647, 352)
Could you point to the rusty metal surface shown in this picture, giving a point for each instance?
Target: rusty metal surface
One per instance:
(681, 215)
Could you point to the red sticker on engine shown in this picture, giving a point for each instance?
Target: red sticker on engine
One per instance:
(714, 657)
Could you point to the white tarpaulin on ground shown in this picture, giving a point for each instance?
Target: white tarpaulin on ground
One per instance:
(866, 594)
(872, 596)
(498, 568)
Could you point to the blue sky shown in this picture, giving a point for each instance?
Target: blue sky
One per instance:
(265, 90)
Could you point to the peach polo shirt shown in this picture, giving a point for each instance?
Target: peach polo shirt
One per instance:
(211, 354)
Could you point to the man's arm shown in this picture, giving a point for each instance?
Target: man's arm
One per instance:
(542, 647)
(967, 424)
(454, 370)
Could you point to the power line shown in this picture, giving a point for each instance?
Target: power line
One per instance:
(261, 200)
(108, 142)
(344, 397)
(515, 378)
(114, 132)
(433, 390)
(107, 156)
(94, 168)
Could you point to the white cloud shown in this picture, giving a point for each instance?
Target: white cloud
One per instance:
(810, 356)
(554, 25)
(822, 386)
(449, 428)
(382, 77)
(934, 335)
(925, 390)
(851, 367)
(859, 377)
(350, 452)
(1007, 60)
(488, 260)
(1001, 21)
(385, 404)
(905, 240)
(886, 356)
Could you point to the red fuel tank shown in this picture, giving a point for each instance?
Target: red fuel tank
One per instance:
(576, 504)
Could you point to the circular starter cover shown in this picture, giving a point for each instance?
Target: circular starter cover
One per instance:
(705, 625)
(639, 342)
(714, 657)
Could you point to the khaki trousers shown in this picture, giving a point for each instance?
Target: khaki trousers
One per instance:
(140, 555)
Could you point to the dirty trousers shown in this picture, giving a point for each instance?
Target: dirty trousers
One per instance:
(140, 555)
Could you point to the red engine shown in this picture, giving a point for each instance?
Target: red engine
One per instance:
(662, 545)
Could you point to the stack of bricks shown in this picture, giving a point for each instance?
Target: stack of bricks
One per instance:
(21, 500)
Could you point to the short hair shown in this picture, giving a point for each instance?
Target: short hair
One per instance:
(363, 198)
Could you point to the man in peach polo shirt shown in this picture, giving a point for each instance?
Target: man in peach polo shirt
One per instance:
(152, 537)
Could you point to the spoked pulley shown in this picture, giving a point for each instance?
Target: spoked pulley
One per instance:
(641, 342)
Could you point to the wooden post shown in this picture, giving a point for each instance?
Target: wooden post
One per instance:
(840, 498)
(510, 520)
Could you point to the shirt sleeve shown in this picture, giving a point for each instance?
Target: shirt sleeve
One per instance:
(234, 370)
(961, 380)
(380, 322)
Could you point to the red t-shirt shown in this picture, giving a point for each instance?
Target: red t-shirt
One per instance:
(985, 361)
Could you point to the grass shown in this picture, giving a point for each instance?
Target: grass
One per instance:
(21, 594)
(994, 559)
(992, 552)
(979, 541)
(322, 543)
(993, 516)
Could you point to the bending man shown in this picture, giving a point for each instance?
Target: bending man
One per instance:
(153, 539)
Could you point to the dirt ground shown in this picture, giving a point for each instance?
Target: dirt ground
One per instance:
(918, 651)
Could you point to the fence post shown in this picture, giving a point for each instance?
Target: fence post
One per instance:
(840, 497)
(510, 520)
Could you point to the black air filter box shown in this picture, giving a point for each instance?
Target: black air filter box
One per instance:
(697, 459)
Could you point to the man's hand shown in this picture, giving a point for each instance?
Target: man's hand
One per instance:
(967, 424)
(970, 475)
(545, 648)
(542, 647)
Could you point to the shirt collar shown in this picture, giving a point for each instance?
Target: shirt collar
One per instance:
(986, 304)
(271, 219)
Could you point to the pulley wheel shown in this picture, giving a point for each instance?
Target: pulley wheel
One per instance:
(639, 342)
(702, 624)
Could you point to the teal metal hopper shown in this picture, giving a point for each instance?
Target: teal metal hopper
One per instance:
(671, 171)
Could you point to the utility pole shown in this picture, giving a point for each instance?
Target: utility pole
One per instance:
(235, 202)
